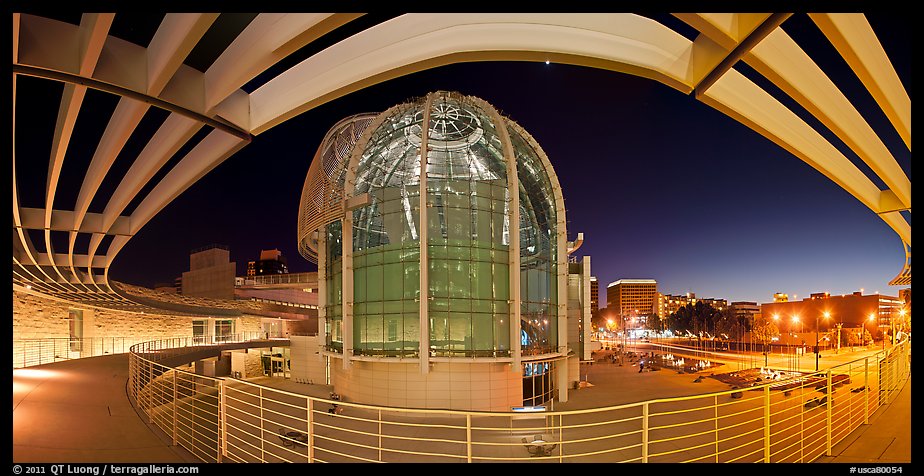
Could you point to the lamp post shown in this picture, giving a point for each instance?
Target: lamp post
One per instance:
(795, 356)
(817, 347)
(838, 351)
(776, 319)
(871, 318)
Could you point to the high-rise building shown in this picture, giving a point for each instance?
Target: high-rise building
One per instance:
(632, 299)
(438, 227)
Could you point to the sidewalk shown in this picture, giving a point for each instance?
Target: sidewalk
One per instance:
(887, 438)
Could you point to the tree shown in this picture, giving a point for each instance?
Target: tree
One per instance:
(763, 331)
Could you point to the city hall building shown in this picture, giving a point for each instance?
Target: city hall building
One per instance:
(438, 227)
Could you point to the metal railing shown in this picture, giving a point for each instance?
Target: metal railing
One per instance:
(31, 352)
(231, 420)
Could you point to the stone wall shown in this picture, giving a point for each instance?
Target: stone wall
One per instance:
(41, 329)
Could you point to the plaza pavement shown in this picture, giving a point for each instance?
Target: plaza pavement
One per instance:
(78, 412)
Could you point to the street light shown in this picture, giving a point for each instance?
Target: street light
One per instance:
(795, 356)
(776, 319)
(871, 318)
(817, 347)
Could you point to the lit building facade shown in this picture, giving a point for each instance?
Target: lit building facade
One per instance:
(436, 282)
(630, 299)
(746, 310)
(669, 303)
(270, 262)
(849, 310)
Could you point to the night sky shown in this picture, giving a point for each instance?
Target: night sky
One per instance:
(661, 185)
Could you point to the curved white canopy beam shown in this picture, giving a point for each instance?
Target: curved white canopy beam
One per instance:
(854, 38)
(741, 99)
(618, 41)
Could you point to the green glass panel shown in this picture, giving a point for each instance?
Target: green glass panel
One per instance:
(411, 330)
(359, 284)
(438, 252)
(483, 280)
(391, 254)
(501, 280)
(391, 283)
(439, 304)
(439, 277)
(460, 279)
(460, 331)
(482, 305)
(392, 307)
(483, 331)
(374, 307)
(411, 278)
(439, 329)
(502, 331)
(460, 305)
(374, 281)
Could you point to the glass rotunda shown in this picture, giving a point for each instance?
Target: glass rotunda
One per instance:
(419, 267)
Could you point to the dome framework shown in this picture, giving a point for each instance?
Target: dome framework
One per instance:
(435, 271)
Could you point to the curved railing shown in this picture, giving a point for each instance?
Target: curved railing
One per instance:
(231, 420)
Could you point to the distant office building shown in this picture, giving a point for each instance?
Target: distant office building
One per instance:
(780, 297)
(745, 310)
(669, 303)
(631, 299)
(211, 273)
(270, 262)
(849, 310)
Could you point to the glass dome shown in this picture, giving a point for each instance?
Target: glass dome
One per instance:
(468, 202)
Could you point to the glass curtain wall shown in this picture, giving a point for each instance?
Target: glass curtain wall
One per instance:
(468, 232)
(386, 246)
(334, 299)
(538, 252)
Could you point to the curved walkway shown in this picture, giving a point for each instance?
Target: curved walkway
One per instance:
(78, 412)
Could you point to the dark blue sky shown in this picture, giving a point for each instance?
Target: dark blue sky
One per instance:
(661, 185)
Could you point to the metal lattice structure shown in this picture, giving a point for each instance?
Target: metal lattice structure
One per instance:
(322, 195)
